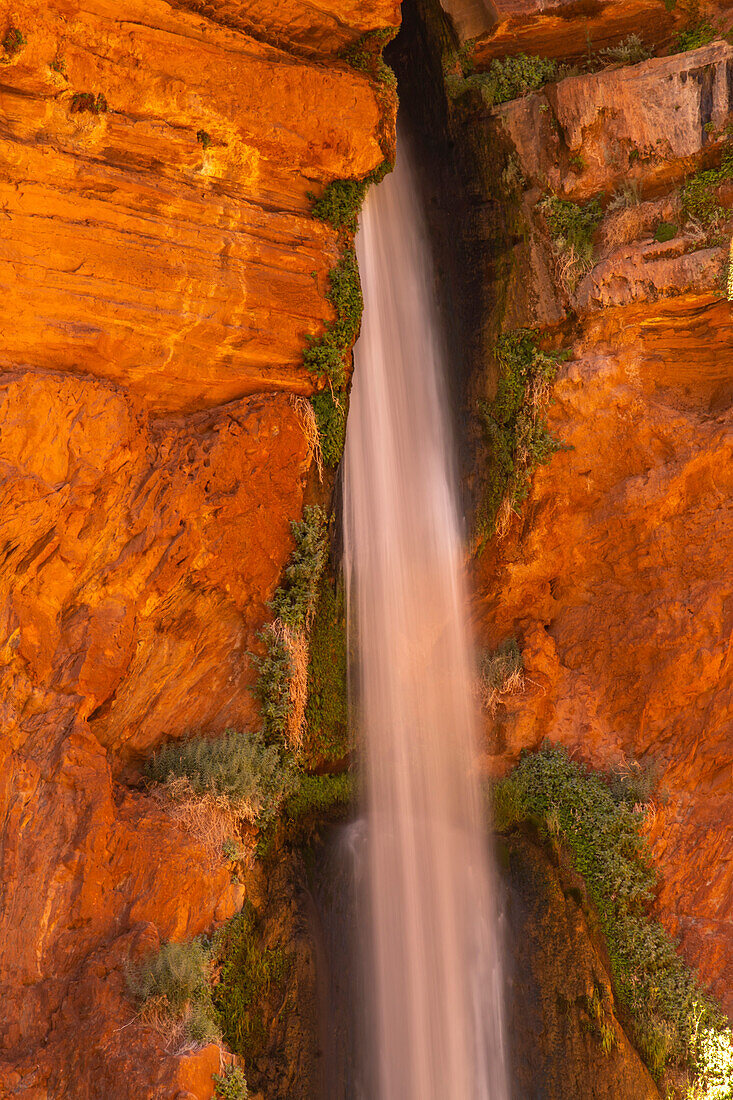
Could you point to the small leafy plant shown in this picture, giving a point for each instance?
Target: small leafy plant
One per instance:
(628, 52)
(89, 102)
(237, 769)
(325, 357)
(515, 427)
(666, 231)
(572, 228)
(507, 78)
(231, 1084)
(699, 199)
(366, 55)
(203, 137)
(13, 42)
(248, 972)
(282, 680)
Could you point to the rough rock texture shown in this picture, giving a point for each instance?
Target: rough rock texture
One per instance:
(560, 991)
(586, 135)
(617, 579)
(618, 587)
(567, 29)
(160, 274)
(190, 275)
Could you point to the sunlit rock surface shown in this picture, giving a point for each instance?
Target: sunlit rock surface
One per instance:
(160, 274)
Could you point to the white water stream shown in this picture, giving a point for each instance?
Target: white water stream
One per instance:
(432, 955)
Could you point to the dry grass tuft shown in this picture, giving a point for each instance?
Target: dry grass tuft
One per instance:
(296, 645)
(501, 673)
(210, 818)
(309, 425)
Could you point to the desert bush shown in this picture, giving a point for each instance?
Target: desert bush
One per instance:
(699, 199)
(231, 1084)
(628, 52)
(598, 819)
(572, 228)
(506, 79)
(172, 987)
(238, 770)
(515, 427)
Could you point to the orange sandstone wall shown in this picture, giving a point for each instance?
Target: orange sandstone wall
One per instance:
(157, 296)
(617, 578)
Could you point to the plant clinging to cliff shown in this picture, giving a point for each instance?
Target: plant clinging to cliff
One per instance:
(506, 78)
(630, 51)
(203, 137)
(325, 357)
(173, 989)
(282, 680)
(515, 427)
(248, 974)
(330, 411)
(13, 42)
(88, 101)
(231, 1084)
(366, 55)
(598, 819)
(699, 199)
(571, 229)
(326, 711)
(237, 772)
(501, 672)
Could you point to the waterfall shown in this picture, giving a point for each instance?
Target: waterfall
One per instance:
(433, 955)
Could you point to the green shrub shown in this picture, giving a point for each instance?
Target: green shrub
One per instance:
(295, 600)
(698, 193)
(342, 200)
(628, 52)
(507, 78)
(240, 768)
(248, 973)
(294, 605)
(331, 415)
(326, 711)
(599, 823)
(58, 65)
(203, 137)
(231, 1084)
(172, 987)
(88, 101)
(274, 671)
(695, 36)
(14, 41)
(366, 55)
(325, 357)
(571, 229)
(666, 231)
(515, 426)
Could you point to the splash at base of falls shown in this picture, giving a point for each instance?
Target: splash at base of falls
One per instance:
(433, 958)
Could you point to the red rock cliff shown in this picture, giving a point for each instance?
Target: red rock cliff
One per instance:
(160, 273)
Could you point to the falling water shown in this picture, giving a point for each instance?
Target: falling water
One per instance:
(433, 953)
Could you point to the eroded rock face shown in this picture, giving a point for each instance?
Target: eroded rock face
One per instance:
(161, 273)
(189, 274)
(618, 586)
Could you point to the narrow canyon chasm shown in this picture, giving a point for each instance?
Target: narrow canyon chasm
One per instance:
(180, 188)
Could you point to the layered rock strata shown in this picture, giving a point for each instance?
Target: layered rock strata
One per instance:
(160, 273)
